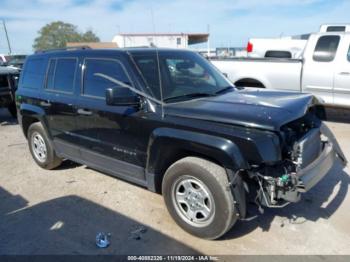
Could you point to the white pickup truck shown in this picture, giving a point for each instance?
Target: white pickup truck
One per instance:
(324, 69)
(287, 46)
(283, 47)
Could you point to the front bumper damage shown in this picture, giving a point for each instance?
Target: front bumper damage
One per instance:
(276, 192)
(314, 172)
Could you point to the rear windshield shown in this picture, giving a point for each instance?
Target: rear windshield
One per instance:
(16, 60)
(278, 54)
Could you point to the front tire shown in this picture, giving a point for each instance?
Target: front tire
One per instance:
(41, 147)
(198, 197)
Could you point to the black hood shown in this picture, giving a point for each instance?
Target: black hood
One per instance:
(258, 108)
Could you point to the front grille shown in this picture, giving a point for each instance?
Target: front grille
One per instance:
(308, 148)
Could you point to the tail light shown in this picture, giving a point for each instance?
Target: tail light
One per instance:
(249, 47)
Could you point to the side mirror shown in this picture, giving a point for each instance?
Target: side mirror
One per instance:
(121, 96)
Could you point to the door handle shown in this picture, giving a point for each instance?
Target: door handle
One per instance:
(45, 103)
(344, 73)
(85, 112)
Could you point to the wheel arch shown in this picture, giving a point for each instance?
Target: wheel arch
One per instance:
(167, 146)
(30, 114)
(249, 82)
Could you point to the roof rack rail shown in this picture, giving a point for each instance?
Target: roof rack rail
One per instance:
(83, 47)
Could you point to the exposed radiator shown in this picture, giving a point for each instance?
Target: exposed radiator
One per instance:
(308, 148)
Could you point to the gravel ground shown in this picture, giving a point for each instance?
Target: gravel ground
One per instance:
(61, 211)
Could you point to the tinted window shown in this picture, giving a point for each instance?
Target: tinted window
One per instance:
(33, 73)
(326, 48)
(349, 54)
(186, 73)
(50, 74)
(64, 74)
(95, 85)
(147, 64)
(3, 81)
(178, 41)
(278, 54)
(336, 29)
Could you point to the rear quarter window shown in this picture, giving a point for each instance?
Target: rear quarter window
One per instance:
(33, 73)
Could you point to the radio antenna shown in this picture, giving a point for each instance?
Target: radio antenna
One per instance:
(158, 62)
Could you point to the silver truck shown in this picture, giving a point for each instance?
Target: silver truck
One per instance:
(323, 70)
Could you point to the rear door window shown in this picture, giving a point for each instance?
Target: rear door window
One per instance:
(50, 74)
(94, 84)
(326, 48)
(61, 74)
(349, 54)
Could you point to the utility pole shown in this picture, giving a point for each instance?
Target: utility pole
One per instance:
(208, 44)
(7, 37)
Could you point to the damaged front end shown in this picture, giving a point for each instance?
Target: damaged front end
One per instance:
(309, 152)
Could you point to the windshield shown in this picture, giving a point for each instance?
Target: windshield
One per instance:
(184, 75)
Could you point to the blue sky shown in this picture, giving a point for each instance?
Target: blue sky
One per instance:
(232, 22)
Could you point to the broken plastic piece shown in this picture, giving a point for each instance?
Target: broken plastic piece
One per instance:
(136, 234)
(103, 239)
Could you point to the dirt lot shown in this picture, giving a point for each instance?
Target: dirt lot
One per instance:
(60, 212)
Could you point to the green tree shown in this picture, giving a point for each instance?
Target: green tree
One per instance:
(57, 34)
(89, 36)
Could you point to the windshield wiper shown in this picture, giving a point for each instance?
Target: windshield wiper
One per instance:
(188, 96)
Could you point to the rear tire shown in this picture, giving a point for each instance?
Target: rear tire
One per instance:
(41, 147)
(198, 197)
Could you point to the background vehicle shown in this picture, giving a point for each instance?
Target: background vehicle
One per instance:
(323, 71)
(8, 85)
(283, 47)
(16, 61)
(170, 121)
(13, 61)
(287, 46)
(3, 59)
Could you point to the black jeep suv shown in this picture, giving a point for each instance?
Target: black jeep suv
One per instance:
(168, 120)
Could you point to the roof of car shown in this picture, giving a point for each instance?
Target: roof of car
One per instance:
(7, 70)
(83, 51)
